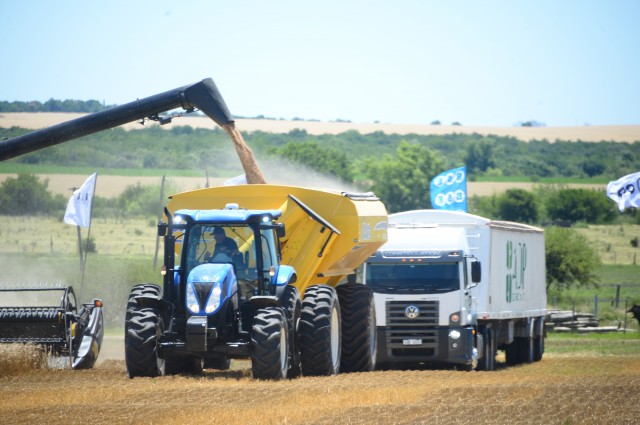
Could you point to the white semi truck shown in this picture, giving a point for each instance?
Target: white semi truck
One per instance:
(453, 288)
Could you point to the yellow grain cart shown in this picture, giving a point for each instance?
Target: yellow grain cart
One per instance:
(328, 233)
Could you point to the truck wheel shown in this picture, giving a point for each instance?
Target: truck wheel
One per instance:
(488, 360)
(319, 330)
(358, 314)
(140, 343)
(292, 305)
(269, 344)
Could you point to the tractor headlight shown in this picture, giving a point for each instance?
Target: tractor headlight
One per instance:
(454, 335)
(214, 300)
(192, 300)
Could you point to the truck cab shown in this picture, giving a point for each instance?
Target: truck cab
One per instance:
(421, 280)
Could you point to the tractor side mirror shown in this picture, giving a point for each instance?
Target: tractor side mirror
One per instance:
(162, 228)
(280, 230)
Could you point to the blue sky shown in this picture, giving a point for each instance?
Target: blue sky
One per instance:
(488, 63)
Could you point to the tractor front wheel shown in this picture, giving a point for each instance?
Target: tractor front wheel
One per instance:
(269, 344)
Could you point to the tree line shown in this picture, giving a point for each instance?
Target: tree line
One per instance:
(53, 105)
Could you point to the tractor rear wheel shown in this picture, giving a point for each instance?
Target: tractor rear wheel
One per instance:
(142, 329)
(269, 344)
(359, 343)
(319, 328)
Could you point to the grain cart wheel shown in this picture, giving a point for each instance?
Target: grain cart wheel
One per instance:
(319, 331)
(292, 305)
(269, 344)
(358, 314)
(142, 330)
(488, 360)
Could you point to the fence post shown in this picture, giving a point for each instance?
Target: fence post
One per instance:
(618, 295)
(626, 300)
(595, 306)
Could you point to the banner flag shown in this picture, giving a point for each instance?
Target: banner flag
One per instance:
(449, 190)
(625, 191)
(79, 206)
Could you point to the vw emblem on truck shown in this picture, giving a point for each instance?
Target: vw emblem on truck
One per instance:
(412, 311)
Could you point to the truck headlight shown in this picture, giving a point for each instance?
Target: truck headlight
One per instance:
(192, 300)
(454, 335)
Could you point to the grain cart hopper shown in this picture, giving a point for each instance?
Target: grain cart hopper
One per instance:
(281, 301)
(48, 317)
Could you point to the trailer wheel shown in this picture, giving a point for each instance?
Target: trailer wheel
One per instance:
(488, 360)
(359, 343)
(538, 342)
(526, 349)
(269, 344)
(142, 330)
(292, 305)
(319, 329)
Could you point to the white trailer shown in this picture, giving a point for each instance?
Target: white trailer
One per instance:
(451, 287)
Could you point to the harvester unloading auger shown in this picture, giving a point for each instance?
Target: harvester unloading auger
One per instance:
(253, 271)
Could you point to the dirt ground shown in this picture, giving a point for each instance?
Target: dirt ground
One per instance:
(560, 389)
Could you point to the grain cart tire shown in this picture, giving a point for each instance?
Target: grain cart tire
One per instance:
(292, 305)
(319, 331)
(359, 342)
(140, 344)
(488, 360)
(269, 344)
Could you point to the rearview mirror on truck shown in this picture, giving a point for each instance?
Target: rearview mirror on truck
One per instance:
(476, 272)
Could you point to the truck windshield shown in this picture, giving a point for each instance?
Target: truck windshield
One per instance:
(428, 278)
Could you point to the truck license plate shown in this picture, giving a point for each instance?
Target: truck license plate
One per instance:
(412, 341)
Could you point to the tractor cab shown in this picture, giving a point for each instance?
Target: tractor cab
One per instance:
(220, 255)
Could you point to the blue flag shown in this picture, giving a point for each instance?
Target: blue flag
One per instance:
(449, 190)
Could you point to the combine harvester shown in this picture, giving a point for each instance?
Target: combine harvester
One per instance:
(49, 318)
(285, 297)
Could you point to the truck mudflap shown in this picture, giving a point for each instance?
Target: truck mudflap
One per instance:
(441, 345)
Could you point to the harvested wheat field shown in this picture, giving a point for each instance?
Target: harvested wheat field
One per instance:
(560, 389)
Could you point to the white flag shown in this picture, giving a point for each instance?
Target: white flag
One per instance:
(625, 191)
(79, 206)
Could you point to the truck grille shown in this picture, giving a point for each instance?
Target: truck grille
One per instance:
(412, 336)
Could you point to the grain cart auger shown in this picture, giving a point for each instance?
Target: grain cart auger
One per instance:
(257, 271)
(203, 95)
(49, 317)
